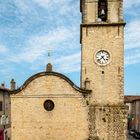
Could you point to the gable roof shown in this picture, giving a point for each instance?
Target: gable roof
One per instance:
(131, 98)
(46, 73)
(4, 90)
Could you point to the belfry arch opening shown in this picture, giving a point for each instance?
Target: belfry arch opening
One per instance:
(102, 10)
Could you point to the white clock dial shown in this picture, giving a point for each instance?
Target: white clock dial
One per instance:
(102, 57)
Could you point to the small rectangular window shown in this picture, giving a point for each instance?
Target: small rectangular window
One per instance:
(0, 105)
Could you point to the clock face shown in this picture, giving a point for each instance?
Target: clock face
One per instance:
(102, 57)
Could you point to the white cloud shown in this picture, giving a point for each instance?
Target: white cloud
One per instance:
(31, 7)
(67, 64)
(131, 8)
(51, 30)
(3, 48)
(132, 57)
(132, 43)
(61, 63)
(131, 3)
(37, 47)
(132, 32)
(43, 3)
(52, 3)
(132, 35)
(73, 57)
(22, 5)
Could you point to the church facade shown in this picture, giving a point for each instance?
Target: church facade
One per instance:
(50, 106)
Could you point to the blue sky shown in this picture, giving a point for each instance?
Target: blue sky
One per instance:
(29, 28)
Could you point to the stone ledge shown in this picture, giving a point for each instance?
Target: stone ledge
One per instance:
(103, 24)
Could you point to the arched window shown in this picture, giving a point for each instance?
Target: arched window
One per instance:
(102, 10)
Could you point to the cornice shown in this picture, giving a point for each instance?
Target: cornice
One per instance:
(85, 92)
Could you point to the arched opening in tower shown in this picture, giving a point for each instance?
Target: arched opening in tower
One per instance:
(102, 10)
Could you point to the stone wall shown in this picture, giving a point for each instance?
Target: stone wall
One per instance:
(108, 122)
(67, 121)
(89, 9)
(73, 117)
(106, 82)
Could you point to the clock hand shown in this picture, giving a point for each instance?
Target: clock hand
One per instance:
(102, 57)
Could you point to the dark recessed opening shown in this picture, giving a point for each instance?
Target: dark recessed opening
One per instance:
(49, 105)
(103, 72)
(102, 10)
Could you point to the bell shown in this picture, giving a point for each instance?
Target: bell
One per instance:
(102, 12)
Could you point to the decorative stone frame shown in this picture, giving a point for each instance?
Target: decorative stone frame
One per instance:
(95, 60)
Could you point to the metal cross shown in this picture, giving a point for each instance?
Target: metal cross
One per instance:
(49, 55)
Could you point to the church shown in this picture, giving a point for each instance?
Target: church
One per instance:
(49, 106)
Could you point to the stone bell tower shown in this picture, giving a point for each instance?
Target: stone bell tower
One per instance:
(102, 43)
(102, 40)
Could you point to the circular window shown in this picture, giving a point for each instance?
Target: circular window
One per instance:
(49, 105)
